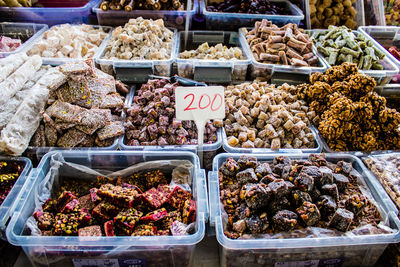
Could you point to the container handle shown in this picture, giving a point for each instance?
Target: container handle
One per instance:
(213, 196)
(202, 202)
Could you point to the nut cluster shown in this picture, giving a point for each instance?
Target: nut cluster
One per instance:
(324, 13)
(259, 115)
(350, 115)
(287, 45)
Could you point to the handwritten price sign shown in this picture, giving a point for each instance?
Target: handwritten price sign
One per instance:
(200, 103)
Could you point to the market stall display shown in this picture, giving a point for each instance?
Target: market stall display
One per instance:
(211, 56)
(142, 5)
(250, 7)
(83, 109)
(174, 249)
(267, 117)
(69, 41)
(272, 243)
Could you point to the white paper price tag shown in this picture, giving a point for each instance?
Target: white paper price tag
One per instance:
(200, 104)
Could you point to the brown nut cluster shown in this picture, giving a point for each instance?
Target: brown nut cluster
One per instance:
(287, 45)
(324, 13)
(350, 115)
(260, 115)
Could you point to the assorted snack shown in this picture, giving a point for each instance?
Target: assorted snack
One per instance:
(83, 109)
(143, 5)
(18, 3)
(140, 39)
(285, 198)
(287, 45)
(69, 41)
(260, 115)
(386, 169)
(350, 115)
(8, 44)
(248, 6)
(143, 204)
(9, 173)
(219, 51)
(151, 119)
(340, 44)
(392, 10)
(324, 13)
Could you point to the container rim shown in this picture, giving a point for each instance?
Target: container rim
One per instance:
(290, 243)
(120, 241)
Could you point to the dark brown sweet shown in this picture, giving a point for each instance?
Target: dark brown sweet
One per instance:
(284, 220)
(309, 213)
(341, 220)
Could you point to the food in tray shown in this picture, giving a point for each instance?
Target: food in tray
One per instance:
(151, 119)
(83, 109)
(248, 6)
(143, 204)
(25, 86)
(288, 198)
(340, 44)
(69, 41)
(350, 115)
(260, 115)
(140, 39)
(9, 173)
(386, 169)
(287, 45)
(219, 51)
(129, 5)
(324, 13)
(8, 44)
(392, 8)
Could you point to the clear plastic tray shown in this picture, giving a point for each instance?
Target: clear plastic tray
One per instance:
(27, 32)
(210, 150)
(59, 61)
(267, 70)
(359, 6)
(374, 12)
(172, 18)
(8, 206)
(345, 250)
(233, 21)
(218, 71)
(67, 250)
(136, 71)
(53, 12)
(381, 77)
(231, 149)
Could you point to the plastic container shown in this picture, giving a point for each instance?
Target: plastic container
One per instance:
(359, 6)
(374, 12)
(322, 251)
(217, 71)
(28, 33)
(172, 18)
(233, 21)
(136, 71)
(209, 150)
(268, 70)
(231, 149)
(381, 77)
(53, 12)
(8, 206)
(59, 61)
(105, 251)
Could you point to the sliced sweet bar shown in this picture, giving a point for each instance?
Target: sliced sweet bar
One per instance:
(66, 224)
(94, 196)
(109, 209)
(84, 217)
(94, 230)
(247, 162)
(110, 130)
(162, 232)
(109, 228)
(155, 215)
(86, 202)
(64, 198)
(341, 220)
(178, 228)
(65, 112)
(145, 230)
(72, 206)
(75, 92)
(189, 211)
(49, 205)
(45, 220)
(156, 197)
(78, 67)
(356, 203)
(101, 85)
(126, 220)
(154, 178)
(118, 195)
(327, 205)
(247, 176)
(172, 216)
(256, 195)
(71, 138)
(113, 100)
(284, 220)
(177, 197)
(98, 213)
(309, 213)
